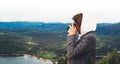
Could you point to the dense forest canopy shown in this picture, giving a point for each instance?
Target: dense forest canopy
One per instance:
(38, 38)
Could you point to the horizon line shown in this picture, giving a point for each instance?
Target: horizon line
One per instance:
(53, 21)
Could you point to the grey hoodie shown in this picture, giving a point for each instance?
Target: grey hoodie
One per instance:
(83, 50)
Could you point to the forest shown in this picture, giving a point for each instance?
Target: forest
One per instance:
(48, 40)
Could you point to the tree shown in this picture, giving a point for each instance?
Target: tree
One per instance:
(111, 58)
(62, 60)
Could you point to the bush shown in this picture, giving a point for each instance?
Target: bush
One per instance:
(111, 58)
(62, 60)
(46, 54)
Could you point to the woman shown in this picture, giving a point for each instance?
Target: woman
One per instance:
(83, 50)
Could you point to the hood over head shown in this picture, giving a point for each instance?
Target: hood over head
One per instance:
(88, 24)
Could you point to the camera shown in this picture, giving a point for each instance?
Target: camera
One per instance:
(71, 25)
(78, 21)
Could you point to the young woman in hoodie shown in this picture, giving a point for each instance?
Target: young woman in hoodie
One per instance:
(83, 49)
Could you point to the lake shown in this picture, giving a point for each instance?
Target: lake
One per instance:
(21, 60)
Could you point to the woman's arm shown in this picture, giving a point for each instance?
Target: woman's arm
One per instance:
(83, 46)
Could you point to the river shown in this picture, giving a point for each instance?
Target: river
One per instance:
(21, 60)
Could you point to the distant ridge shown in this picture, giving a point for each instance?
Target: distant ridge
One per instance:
(108, 29)
(102, 28)
(37, 25)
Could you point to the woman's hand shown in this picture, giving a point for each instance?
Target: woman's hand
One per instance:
(72, 30)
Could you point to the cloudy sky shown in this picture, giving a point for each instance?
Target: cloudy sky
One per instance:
(58, 10)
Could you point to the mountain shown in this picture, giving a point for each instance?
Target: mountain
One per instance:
(38, 38)
(102, 28)
(34, 25)
(108, 29)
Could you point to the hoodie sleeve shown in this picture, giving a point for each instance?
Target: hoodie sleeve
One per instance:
(74, 49)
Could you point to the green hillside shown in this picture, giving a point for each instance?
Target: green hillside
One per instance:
(48, 39)
(32, 41)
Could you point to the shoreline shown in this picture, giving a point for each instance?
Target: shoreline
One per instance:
(28, 56)
(39, 58)
(11, 55)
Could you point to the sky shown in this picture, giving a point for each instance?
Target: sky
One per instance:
(105, 11)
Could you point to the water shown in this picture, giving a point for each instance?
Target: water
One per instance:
(21, 60)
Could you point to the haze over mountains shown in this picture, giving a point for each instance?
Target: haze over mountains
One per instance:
(102, 28)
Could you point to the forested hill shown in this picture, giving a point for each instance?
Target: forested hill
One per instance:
(108, 29)
(34, 25)
(48, 39)
(102, 28)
